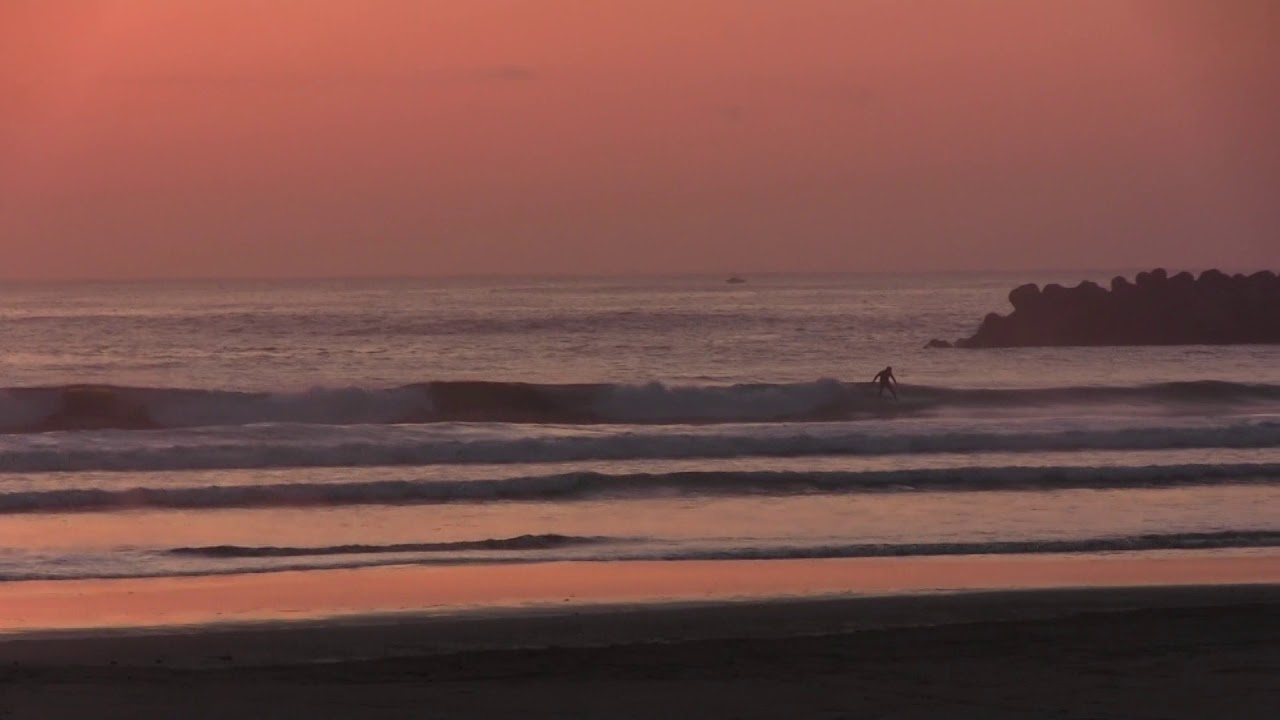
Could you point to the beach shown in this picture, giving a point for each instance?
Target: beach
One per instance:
(700, 644)
(1190, 653)
(706, 359)
(616, 497)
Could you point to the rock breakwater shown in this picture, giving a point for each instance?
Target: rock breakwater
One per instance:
(1154, 309)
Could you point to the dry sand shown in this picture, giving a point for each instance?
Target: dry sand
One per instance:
(1185, 652)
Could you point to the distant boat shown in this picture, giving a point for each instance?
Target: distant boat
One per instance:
(735, 280)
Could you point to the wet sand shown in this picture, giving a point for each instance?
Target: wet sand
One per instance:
(1185, 652)
(328, 595)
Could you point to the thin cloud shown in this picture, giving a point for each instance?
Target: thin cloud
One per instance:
(510, 73)
(335, 79)
(730, 113)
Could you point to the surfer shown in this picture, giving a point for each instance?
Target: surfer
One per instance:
(887, 382)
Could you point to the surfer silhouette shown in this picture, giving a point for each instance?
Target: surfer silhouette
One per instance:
(887, 382)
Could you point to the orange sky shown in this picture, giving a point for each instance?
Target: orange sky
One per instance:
(153, 138)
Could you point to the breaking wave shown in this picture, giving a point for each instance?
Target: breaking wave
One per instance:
(79, 407)
(230, 559)
(1175, 541)
(303, 446)
(590, 485)
(1153, 541)
(522, 542)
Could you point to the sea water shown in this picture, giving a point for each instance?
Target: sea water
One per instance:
(154, 429)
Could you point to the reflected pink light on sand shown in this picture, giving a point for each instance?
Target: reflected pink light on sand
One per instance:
(28, 606)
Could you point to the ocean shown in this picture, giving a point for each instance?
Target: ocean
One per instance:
(207, 428)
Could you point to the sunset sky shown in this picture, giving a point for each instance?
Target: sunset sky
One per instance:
(282, 138)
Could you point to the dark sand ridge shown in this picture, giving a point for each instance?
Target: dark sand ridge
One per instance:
(1187, 652)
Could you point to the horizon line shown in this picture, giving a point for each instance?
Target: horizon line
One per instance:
(375, 277)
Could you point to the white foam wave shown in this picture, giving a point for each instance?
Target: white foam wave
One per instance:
(618, 549)
(658, 402)
(288, 445)
(588, 485)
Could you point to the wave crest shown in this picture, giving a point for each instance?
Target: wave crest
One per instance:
(589, 485)
(521, 542)
(83, 407)
(617, 550)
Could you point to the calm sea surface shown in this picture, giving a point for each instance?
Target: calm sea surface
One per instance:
(201, 428)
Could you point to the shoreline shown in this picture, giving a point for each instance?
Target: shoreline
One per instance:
(1169, 652)
(388, 636)
(86, 607)
(1186, 634)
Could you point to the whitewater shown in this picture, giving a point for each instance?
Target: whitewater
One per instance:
(202, 428)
